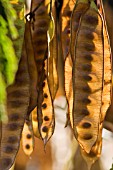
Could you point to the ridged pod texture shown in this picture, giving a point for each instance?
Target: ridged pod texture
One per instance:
(88, 79)
(77, 12)
(73, 25)
(17, 105)
(39, 29)
(106, 98)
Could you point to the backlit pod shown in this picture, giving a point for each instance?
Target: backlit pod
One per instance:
(66, 11)
(95, 151)
(35, 123)
(88, 78)
(79, 9)
(47, 123)
(28, 138)
(106, 98)
(52, 54)
(17, 105)
(68, 89)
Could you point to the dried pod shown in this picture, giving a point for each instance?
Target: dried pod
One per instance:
(32, 69)
(95, 152)
(39, 27)
(106, 97)
(17, 105)
(66, 11)
(88, 78)
(35, 123)
(69, 89)
(80, 7)
(28, 138)
(45, 110)
(53, 57)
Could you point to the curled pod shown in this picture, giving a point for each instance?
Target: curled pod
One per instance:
(47, 123)
(17, 105)
(28, 138)
(88, 78)
(80, 7)
(66, 11)
(35, 123)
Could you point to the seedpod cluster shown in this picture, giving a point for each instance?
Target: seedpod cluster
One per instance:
(66, 45)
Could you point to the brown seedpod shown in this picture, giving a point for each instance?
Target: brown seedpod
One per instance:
(45, 112)
(77, 10)
(52, 54)
(66, 12)
(106, 95)
(88, 91)
(11, 131)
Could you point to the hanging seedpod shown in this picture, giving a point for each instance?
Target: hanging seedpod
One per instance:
(106, 96)
(17, 105)
(88, 77)
(45, 109)
(33, 74)
(65, 38)
(28, 138)
(52, 52)
(66, 11)
(79, 8)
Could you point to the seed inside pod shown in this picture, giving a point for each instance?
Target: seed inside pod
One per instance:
(45, 129)
(87, 67)
(86, 89)
(87, 78)
(85, 112)
(44, 106)
(28, 136)
(14, 117)
(46, 118)
(43, 85)
(13, 126)
(8, 149)
(87, 136)
(45, 95)
(27, 146)
(12, 139)
(86, 125)
(6, 162)
(88, 57)
(86, 101)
